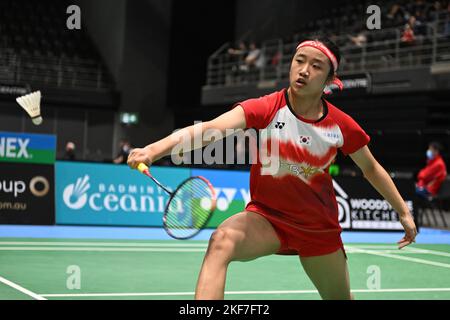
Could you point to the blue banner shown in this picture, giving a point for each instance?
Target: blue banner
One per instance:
(108, 194)
(27, 148)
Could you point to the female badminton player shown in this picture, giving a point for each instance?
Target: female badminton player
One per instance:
(293, 211)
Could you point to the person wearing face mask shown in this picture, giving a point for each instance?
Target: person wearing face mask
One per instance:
(124, 151)
(430, 178)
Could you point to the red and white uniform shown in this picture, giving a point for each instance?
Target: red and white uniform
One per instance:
(299, 198)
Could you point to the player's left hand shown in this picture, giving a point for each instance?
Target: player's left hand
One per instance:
(408, 224)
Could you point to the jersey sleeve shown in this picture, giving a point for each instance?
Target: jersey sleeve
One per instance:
(258, 111)
(354, 136)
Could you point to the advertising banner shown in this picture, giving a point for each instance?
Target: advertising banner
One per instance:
(361, 207)
(27, 194)
(232, 191)
(354, 85)
(108, 194)
(27, 148)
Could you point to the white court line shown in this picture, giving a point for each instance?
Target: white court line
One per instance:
(195, 245)
(422, 261)
(101, 244)
(428, 251)
(368, 246)
(396, 247)
(22, 289)
(149, 294)
(86, 249)
(48, 246)
(104, 249)
(402, 252)
(134, 244)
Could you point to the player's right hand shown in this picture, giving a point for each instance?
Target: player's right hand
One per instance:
(408, 224)
(139, 155)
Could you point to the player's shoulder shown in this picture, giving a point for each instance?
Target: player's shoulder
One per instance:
(275, 99)
(270, 100)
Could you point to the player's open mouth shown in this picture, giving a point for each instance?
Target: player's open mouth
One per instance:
(301, 82)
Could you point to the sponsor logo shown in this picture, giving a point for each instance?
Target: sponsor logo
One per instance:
(35, 186)
(366, 213)
(74, 195)
(280, 125)
(113, 197)
(225, 196)
(14, 148)
(305, 171)
(39, 186)
(331, 135)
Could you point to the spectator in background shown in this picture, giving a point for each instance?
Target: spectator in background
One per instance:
(254, 61)
(236, 58)
(447, 21)
(395, 17)
(430, 178)
(359, 40)
(432, 14)
(255, 57)
(124, 151)
(408, 35)
(417, 6)
(420, 27)
(69, 153)
(240, 52)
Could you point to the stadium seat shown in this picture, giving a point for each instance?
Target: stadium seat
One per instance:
(435, 205)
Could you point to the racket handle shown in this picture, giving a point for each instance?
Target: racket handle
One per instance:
(142, 167)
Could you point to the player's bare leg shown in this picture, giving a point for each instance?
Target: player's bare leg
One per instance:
(242, 237)
(329, 274)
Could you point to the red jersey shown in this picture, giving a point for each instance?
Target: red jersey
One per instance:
(301, 189)
(432, 176)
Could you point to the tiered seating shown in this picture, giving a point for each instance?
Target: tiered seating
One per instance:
(381, 49)
(37, 48)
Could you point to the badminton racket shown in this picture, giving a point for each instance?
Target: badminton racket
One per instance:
(190, 206)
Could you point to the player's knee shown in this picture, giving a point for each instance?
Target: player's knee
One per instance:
(222, 243)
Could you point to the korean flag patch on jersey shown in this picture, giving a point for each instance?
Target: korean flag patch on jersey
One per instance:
(306, 140)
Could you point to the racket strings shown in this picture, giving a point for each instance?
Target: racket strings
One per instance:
(190, 208)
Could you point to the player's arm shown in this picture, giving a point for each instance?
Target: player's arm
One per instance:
(190, 137)
(382, 182)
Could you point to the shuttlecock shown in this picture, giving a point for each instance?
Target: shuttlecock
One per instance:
(32, 105)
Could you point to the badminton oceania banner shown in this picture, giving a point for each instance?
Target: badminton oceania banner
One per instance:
(109, 194)
(27, 148)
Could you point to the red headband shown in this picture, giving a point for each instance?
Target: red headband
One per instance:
(323, 48)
